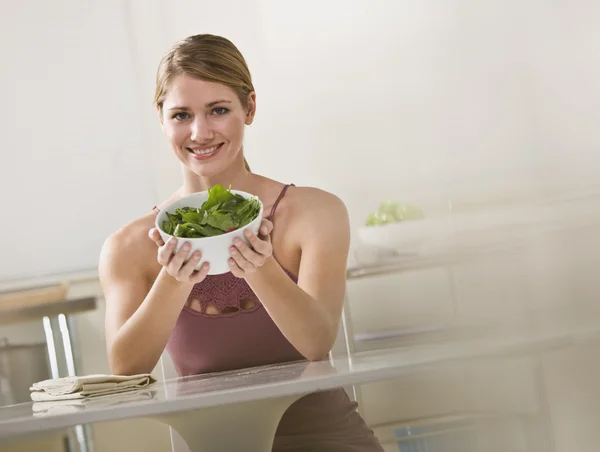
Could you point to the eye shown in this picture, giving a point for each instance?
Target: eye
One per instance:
(180, 116)
(220, 111)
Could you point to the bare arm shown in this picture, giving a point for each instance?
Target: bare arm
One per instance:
(140, 313)
(308, 313)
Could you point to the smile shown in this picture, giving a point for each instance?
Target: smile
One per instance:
(204, 152)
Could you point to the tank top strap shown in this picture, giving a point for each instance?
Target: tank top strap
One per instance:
(278, 200)
(158, 208)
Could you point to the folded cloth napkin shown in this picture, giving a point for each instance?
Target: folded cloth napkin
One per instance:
(77, 405)
(69, 388)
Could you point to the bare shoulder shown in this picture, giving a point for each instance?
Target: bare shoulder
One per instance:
(320, 229)
(310, 203)
(129, 250)
(317, 216)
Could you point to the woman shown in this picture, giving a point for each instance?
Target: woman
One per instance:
(283, 297)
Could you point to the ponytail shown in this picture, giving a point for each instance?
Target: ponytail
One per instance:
(246, 165)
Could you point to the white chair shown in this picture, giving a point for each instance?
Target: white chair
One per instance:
(344, 349)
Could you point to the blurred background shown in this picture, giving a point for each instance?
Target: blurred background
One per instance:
(479, 113)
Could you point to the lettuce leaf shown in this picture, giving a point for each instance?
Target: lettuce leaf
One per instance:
(222, 212)
(217, 195)
(393, 212)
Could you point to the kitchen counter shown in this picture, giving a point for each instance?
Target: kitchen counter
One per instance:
(37, 312)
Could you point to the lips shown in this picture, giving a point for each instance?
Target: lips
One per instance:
(205, 152)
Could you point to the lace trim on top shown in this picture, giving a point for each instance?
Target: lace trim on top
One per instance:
(222, 291)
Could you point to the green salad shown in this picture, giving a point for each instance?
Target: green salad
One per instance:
(393, 212)
(222, 212)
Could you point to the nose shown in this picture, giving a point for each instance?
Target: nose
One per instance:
(201, 130)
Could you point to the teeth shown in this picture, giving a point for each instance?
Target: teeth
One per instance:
(204, 151)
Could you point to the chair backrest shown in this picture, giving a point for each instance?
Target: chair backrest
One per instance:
(344, 344)
(344, 348)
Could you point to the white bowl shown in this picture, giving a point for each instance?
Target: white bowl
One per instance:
(215, 250)
(410, 236)
(404, 237)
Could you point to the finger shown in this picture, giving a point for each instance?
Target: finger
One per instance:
(240, 260)
(250, 255)
(235, 269)
(199, 276)
(190, 266)
(156, 237)
(260, 246)
(165, 253)
(178, 259)
(266, 227)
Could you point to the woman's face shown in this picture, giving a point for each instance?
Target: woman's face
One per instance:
(204, 122)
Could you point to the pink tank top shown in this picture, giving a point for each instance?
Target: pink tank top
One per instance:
(240, 338)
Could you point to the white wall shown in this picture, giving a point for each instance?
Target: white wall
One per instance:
(74, 164)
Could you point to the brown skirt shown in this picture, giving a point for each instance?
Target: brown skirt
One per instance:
(324, 421)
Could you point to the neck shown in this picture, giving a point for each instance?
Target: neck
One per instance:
(235, 175)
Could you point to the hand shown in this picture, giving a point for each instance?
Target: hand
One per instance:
(247, 259)
(174, 263)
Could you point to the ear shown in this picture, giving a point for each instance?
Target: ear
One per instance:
(251, 108)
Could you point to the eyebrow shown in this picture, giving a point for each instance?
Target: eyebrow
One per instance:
(208, 105)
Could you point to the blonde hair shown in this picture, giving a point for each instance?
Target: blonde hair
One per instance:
(205, 57)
